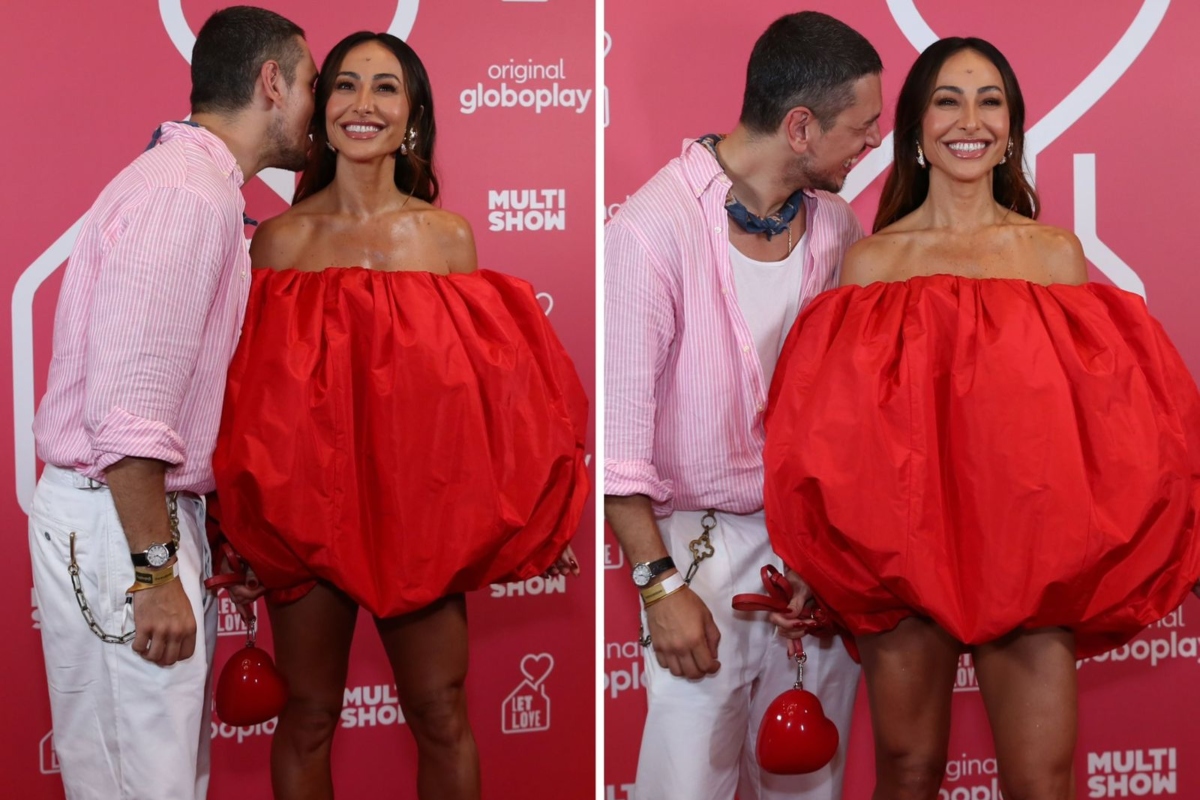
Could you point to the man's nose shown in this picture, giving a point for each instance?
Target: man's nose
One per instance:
(874, 137)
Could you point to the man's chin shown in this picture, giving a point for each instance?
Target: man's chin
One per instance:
(823, 181)
(292, 161)
(828, 183)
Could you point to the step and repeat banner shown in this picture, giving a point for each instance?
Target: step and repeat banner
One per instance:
(514, 86)
(1109, 89)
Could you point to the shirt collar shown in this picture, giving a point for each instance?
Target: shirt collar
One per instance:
(209, 142)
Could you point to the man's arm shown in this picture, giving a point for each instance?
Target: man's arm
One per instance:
(153, 295)
(152, 299)
(639, 327)
(682, 631)
(166, 627)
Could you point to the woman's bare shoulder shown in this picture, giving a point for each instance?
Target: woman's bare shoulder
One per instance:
(452, 235)
(1060, 251)
(874, 258)
(279, 241)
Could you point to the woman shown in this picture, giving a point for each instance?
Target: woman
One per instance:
(399, 428)
(969, 447)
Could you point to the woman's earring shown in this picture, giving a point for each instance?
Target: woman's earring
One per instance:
(1007, 152)
(330, 146)
(410, 141)
(920, 156)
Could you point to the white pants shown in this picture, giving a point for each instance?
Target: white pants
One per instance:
(700, 735)
(124, 728)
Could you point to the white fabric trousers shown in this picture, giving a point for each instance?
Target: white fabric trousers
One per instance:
(700, 735)
(123, 727)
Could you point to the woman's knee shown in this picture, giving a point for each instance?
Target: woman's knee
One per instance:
(1050, 782)
(909, 774)
(439, 717)
(308, 726)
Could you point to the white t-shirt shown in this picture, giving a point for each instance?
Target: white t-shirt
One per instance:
(768, 293)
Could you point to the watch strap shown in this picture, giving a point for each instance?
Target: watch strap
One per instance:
(657, 567)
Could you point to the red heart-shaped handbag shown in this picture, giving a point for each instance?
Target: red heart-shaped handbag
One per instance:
(250, 689)
(795, 737)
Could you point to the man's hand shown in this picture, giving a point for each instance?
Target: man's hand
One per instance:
(166, 627)
(683, 635)
(788, 622)
(682, 631)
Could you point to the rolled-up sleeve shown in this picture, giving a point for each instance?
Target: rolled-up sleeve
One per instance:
(638, 330)
(149, 310)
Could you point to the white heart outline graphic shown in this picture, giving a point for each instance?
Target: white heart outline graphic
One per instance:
(1056, 122)
(537, 658)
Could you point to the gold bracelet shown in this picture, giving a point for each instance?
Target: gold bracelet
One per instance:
(668, 586)
(151, 578)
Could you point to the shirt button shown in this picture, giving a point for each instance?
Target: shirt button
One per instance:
(760, 407)
(717, 229)
(745, 348)
(724, 291)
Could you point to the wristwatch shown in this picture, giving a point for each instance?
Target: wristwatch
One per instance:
(647, 571)
(154, 556)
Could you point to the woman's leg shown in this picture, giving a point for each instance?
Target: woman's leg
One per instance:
(428, 653)
(312, 649)
(910, 681)
(1027, 680)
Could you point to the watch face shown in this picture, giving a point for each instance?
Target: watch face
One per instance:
(157, 555)
(641, 574)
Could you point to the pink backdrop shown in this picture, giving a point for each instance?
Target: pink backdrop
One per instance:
(514, 89)
(1108, 91)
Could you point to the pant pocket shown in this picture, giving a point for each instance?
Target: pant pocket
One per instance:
(105, 571)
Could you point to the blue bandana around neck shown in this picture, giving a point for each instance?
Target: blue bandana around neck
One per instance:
(769, 226)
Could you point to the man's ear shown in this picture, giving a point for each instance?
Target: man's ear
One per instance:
(271, 83)
(796, 127)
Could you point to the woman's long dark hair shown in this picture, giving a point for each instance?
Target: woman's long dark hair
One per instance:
(907, 183)
(414, 171)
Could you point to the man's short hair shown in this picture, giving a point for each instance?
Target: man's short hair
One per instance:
(807, 59)
(230, 50)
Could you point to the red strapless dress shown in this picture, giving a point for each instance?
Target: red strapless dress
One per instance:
(991, 454)
(400, 435)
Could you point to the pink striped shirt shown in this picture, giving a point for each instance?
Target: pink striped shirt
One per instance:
(149, 313)
(684, 391)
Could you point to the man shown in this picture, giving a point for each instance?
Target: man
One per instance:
(706, 267)
(147, 320)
